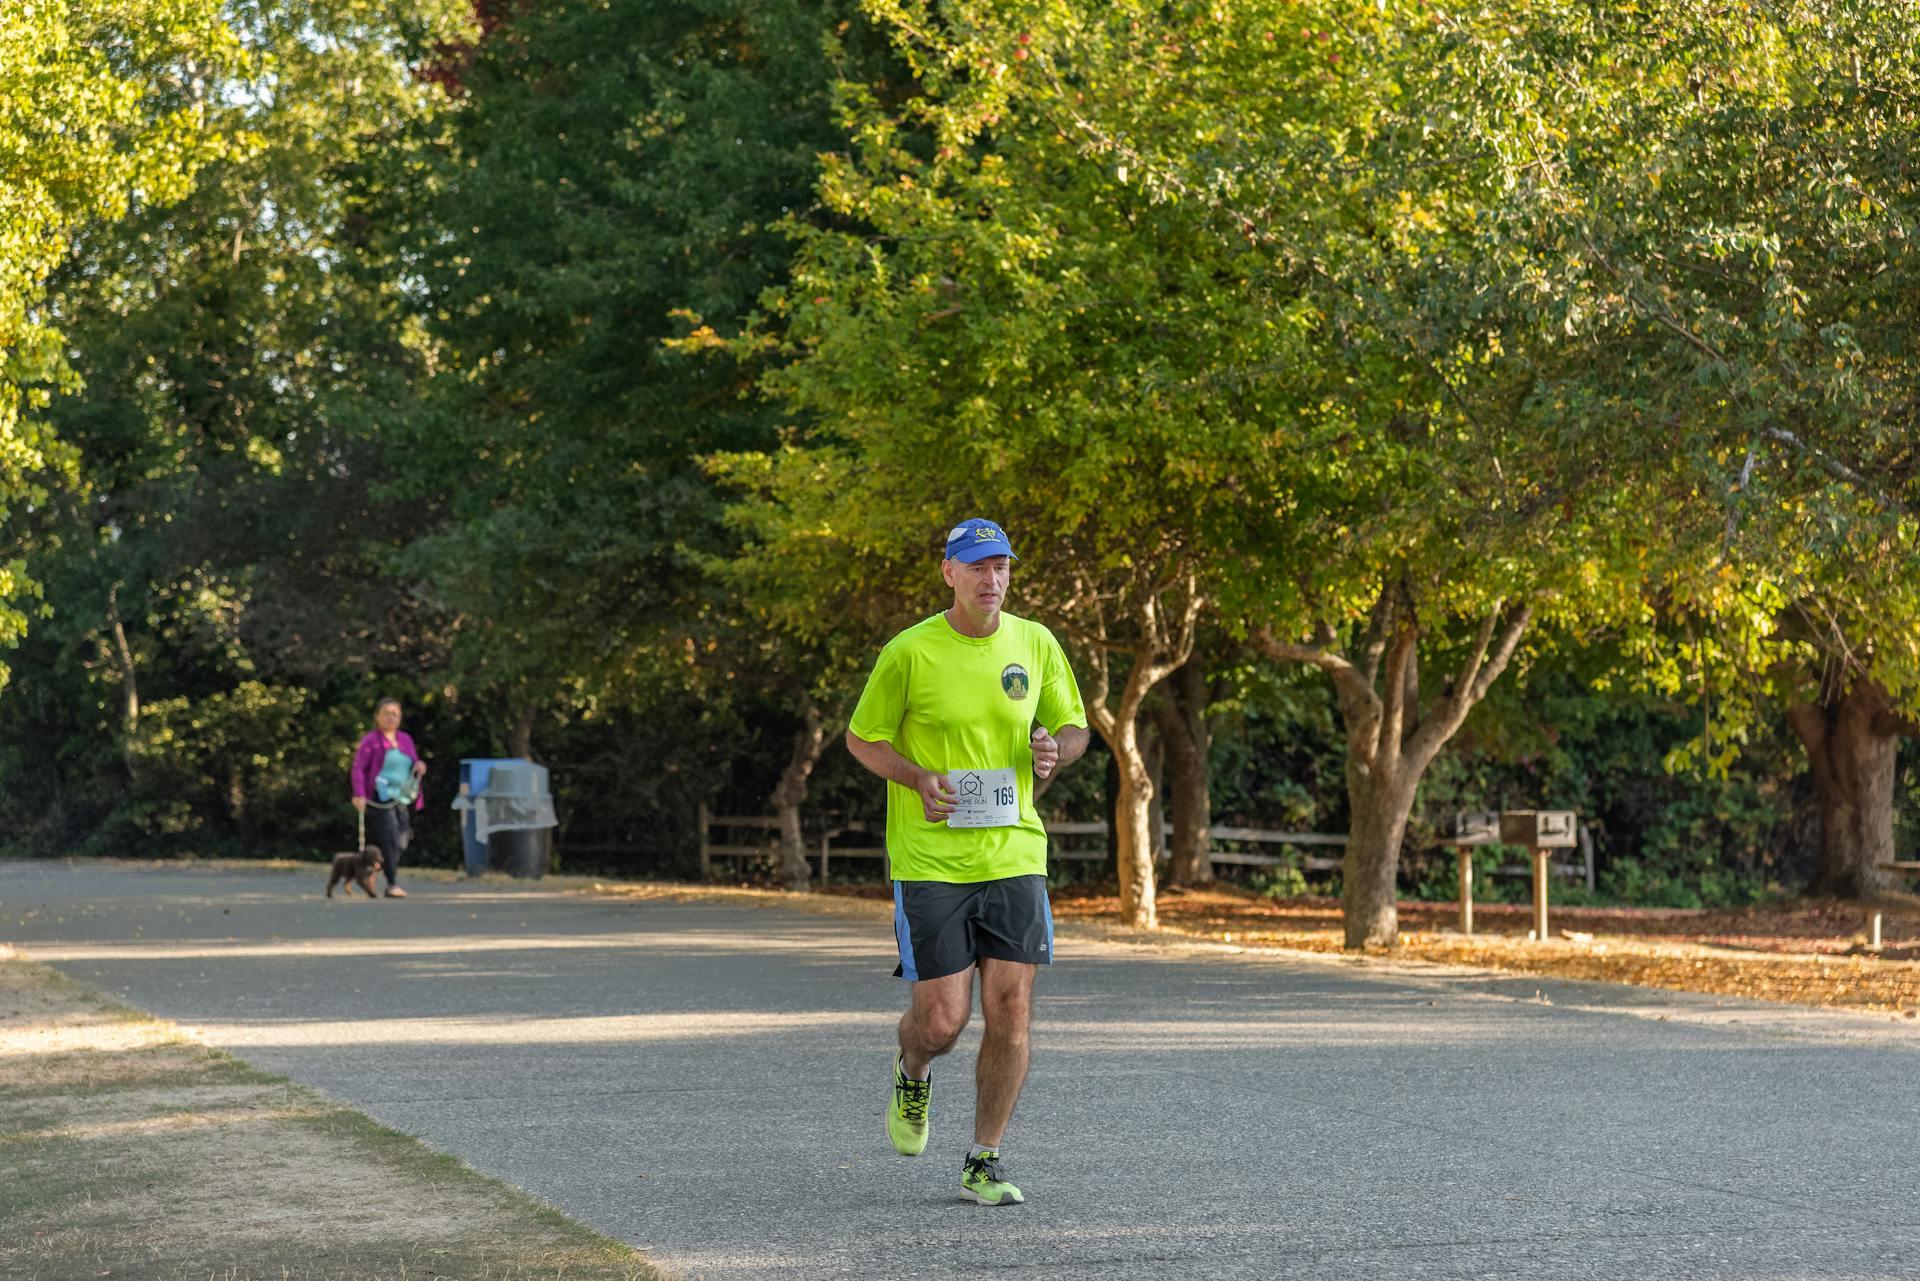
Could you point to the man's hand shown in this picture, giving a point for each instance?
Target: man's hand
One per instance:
(419, 768)
(1046, 752)
(360, 803)
(936, 795)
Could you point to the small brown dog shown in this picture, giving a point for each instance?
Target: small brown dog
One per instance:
(355, 869)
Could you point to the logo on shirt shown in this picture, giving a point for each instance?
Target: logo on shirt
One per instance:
(1013, 679)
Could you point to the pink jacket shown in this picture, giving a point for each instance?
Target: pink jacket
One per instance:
(366, 764)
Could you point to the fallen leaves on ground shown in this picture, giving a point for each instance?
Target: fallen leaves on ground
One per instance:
(1805, 952)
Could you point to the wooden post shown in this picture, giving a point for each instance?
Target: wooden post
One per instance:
(1465, 853)
(824, 838)
(1540, 857)
(706, 855)
(1873, 940)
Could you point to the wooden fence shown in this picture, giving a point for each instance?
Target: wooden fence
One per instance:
(765, 843)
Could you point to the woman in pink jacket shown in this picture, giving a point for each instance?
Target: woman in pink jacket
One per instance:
(387, 770)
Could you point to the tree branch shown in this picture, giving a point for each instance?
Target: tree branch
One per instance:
(1393, 696)
(1502, 654)
(1833, 466)
(1359, 705)
(1379, 622)
(1475, 678)
(1334, 665)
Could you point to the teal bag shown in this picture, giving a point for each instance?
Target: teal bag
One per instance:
(395, 781)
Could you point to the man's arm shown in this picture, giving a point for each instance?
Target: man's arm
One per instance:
(936, 790)
(1073, 740)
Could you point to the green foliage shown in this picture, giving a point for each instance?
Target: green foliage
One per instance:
(102, 107)
(455, 384)
(610, 165)
(1284, 881)
(1278, 755)
(208, 553)
(1727, 214)
(253, 758)
(1001, 325)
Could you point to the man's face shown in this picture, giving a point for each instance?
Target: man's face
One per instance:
(979, 587)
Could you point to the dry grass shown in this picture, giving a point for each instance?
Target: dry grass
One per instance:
(127, 1150)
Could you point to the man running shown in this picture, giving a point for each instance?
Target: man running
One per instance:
(963, 711)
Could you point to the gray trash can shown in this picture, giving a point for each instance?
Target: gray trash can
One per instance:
(516, 813)
(521, 851)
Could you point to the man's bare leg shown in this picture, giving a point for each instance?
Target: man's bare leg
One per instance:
(934, 1021)
(1006, 1001)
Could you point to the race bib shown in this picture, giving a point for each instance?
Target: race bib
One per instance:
(984, 798)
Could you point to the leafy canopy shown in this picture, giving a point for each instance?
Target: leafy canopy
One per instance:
(102, 108)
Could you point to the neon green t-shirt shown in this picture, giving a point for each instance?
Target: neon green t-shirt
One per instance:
(949, 702)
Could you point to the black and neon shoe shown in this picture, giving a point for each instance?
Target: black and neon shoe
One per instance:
(982, 1180)
(907, 1113)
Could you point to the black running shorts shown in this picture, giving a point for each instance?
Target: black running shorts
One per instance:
(944, 928)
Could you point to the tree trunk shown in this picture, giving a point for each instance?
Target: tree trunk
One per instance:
(1369, 875)
(1392, 736)
(1155, 752)
(1802, 840)
(1133, 837)
(520, 737)
(1192, 805)
(1182, 719)
(1112, 797)
(1166, 617)
(1853, 743)
(791, 793)
(122, 654)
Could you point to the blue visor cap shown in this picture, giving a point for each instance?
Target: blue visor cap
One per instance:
(973, 540)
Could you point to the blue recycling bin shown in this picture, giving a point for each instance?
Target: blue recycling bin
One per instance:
(474, 772)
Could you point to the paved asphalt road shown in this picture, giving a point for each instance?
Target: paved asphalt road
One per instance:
(707, 1080)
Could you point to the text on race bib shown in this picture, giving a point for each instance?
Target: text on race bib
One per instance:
(984, 798)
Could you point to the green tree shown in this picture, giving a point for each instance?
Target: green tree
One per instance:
(769, 634)
(1005, 325)
(1733, 201)
(213, 552)
(1583, 264)
(1191, 294)
(611, 165)
(103, 108)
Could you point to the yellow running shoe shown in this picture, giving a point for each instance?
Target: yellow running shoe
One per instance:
(981, 1180)
(907, 1113)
